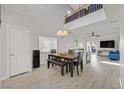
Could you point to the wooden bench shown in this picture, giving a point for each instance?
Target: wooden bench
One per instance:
(59, 63)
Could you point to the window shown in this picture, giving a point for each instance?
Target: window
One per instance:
(68, 12)
(47, 43)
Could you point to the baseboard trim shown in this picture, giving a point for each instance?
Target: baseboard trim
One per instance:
(4, 78)
(30, 70)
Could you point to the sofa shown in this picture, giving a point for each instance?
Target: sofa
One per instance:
(114, 55)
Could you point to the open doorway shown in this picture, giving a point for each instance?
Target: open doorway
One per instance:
(93, 46)
(90, 49)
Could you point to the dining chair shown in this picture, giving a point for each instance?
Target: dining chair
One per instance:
(53, 58)
(78, 62)
(53, 50)
(71, 51)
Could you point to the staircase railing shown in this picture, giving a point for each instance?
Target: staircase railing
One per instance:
(82, 12)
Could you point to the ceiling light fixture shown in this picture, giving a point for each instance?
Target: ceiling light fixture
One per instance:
(93, 35)
(62, 33)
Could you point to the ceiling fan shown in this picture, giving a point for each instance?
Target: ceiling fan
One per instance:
(93, 35)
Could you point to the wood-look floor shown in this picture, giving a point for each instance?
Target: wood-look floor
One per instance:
(95, 75)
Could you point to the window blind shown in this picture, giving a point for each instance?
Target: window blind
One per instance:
(47, 43)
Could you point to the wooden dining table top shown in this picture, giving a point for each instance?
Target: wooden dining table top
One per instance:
(65, 55)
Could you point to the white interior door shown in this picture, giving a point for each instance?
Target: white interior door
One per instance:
(19, 51)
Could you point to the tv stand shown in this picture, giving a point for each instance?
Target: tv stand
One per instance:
(104, 52)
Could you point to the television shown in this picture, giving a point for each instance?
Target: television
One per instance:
(107, 44)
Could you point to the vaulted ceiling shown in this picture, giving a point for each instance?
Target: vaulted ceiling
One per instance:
(112, 14)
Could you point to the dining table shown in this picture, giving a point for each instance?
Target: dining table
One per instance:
(66, 56)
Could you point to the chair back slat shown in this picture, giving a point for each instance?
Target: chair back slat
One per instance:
(53, 51)
(80, 57)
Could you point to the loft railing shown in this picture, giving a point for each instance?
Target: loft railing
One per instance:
(82, 12)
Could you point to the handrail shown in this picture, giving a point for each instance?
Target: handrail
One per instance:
(75, 10)
(81, 11)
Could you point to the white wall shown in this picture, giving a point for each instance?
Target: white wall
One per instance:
(122, 46)
(68, 42)
(0, 47)
(44, 20)
(105, 37)
(65, 43)
(47, 23)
